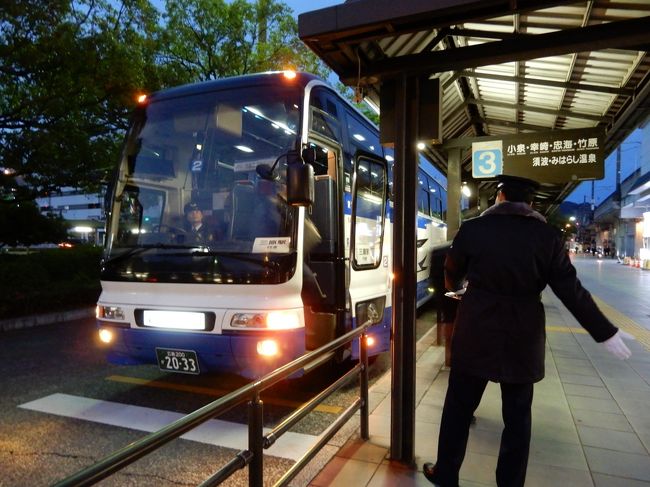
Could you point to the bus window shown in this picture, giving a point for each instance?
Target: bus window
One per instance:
(324, 118)
(435, 196)
(325, 163)
(389, 155)
(362, 137)
(368, 213)
(423, 193)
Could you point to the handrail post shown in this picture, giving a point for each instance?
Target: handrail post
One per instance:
(363, 386)
(256, 441)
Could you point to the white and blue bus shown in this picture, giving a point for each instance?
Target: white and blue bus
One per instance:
(290, 255)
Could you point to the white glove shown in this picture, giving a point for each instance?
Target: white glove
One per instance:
(617, 347)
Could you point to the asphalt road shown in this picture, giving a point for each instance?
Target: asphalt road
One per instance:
(63, 407)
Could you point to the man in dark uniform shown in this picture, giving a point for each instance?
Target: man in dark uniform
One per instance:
(506, 257)
(197, 232)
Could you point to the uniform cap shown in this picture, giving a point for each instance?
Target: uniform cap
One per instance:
(517, 188)
(191, 206)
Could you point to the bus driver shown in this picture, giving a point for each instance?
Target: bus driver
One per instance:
(197, 231)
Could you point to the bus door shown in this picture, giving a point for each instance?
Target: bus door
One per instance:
(369, 261)
(324, 272)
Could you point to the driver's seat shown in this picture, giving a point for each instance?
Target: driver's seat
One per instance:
(243, 206)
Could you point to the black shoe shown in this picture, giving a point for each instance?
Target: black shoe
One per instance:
(429, 471)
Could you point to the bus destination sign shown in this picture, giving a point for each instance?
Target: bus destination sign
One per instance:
(557, 156)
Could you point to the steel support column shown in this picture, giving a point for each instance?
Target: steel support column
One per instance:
(402, 441)
(484, 200)
(453, 192)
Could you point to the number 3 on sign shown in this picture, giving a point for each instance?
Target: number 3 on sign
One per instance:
(486, 159)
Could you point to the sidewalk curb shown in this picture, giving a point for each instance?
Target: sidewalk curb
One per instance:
(45, 319)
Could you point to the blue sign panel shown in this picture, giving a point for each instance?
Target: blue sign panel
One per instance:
(487, 159)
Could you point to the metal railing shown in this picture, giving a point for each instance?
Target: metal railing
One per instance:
(257, 441)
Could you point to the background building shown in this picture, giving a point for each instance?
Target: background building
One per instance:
(623, 218)
(83, 211)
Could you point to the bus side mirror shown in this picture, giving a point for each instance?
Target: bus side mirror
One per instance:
(300, 184)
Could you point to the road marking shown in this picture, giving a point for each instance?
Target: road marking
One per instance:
(211, 391)
(213, 432)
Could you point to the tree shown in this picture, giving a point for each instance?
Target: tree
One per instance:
(209, 39)
(67, 82)
(71, 70)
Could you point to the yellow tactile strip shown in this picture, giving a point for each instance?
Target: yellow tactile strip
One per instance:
(565, 329)
(625, 323)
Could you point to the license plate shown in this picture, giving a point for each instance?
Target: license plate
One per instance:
(182, 361)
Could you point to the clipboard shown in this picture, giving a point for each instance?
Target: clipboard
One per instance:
(458, 294)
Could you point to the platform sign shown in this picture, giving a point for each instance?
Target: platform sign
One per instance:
(557, 156)
(487, 159)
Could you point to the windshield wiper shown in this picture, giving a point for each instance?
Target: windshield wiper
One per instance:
(241, 256)
(143, 248)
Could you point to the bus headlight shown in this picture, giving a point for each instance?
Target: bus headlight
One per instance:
(272, 320)
(109, 312)
(282, 320)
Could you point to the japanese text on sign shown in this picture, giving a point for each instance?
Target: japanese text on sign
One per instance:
(555, 157)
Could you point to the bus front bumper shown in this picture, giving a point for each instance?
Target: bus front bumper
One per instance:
(249, 354)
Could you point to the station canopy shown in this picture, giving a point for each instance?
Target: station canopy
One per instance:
(506, 67)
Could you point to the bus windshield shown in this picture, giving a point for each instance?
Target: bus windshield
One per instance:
(188, 204)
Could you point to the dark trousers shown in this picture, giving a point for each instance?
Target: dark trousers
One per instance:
(463, 397)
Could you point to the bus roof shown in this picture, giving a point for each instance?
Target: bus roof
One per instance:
(269, 78)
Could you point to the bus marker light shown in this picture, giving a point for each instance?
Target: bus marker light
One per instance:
(267, 348)
(105, 335)
(370, 341)
(289, 74)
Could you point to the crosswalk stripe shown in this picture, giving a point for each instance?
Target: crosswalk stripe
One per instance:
(213, 432)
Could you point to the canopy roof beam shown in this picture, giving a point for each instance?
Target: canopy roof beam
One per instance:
(530, 108)
(621, 34)
(569, 85)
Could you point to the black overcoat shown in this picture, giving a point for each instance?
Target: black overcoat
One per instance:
(508, 255)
